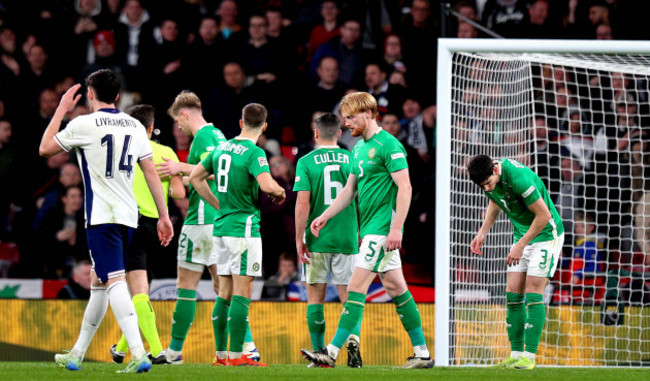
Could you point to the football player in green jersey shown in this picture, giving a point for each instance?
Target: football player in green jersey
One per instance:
(240, 169)
(143, 249)
(320, 176)
(380, 176)
(195, 249)
(538, 238)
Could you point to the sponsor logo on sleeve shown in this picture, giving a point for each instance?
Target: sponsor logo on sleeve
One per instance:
(262, 162)
(528, 191)
(297, 178)
(399, 155)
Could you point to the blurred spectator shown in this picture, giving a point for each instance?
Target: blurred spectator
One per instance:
(133, 35)
(84, 23)
(642, 226)
(69, 176)
(547, 151)
(275, 288)
(11, 58)
(206, 57)
(393, 53)
(62, 237)
(604, 32)
(8, 168)
(538, 24)
(376, 19)
(570, 198)
(505, 17)
(325, 31)
(280, 220)
(37, 75)
(290, 40)
(587, 259)
(309, 145)
(577, 139)
(78, 286)
(259, 54)
(105, 57)
(412, 124)
(466, 30)
(227, 13)
(346, 49)
(418, 31)
(389, 97)
(182, 143)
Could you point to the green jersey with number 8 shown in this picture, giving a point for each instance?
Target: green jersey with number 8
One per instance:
(517, 189)
(324, 172)
(236, 164)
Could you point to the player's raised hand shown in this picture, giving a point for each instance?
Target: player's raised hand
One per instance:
(167, 168)
(477, 243)
(70, 98)
(303, 252)
(316, 225)
(165, 231)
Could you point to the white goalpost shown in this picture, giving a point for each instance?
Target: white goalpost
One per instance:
(578, 114)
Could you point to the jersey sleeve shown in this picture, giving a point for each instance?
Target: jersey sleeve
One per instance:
(207, 162)
(258, 163)
(73, 135)
(141, 145)
(523, 181)
(394, 156)
(302, 182)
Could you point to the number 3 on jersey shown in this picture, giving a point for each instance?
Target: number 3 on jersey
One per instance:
(222, 173)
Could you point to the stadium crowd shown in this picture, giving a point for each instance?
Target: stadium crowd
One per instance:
(298, 58)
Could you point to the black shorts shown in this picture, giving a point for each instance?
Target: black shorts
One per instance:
(145, 246)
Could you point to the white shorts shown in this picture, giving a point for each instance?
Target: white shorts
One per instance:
(239, 255)
(195, 249)
(540, 259)
(322, 264)
(373, 255)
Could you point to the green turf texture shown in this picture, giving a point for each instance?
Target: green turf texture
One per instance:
(101, 371)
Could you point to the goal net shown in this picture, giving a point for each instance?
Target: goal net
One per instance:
(581, 121)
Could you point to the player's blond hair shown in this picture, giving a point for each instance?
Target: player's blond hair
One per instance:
(186, 99)
(356, 103)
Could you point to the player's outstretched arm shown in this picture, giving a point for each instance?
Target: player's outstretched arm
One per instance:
(171, 168)
(269, 186)
(344, 198)
(165, 228)
(199, 180)
(404, 193)
(302, 216)
(491, 216)
(49, 147)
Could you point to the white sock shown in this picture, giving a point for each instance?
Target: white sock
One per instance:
(333, 351)
(235, 355)
(122, 306)
(222, 355)
(531, 356)
(93, 315)
(421, 351)
(516, 354)
(248, 347)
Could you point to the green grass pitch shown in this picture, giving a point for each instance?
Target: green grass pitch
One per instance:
(102, 371)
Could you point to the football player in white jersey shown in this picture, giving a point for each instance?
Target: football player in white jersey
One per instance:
(108, 143)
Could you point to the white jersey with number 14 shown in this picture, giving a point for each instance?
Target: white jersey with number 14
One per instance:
(108, 143)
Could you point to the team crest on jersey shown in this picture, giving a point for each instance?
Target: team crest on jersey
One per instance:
(256, 266)
(372, 153)
(262, 161)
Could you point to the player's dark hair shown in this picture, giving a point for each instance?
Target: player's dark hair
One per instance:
(480, 168)
(328, 125)
(143, 113)
(105, 84)
(254, 115)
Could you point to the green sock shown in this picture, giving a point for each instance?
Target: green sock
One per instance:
(357, 328)
(248, 338)
(408, 313)
(350, 318)
(515, 320)
(147, 322)
(316, 325)
(534, 321)
(182, 318)
(238, 319)
(220, 323)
